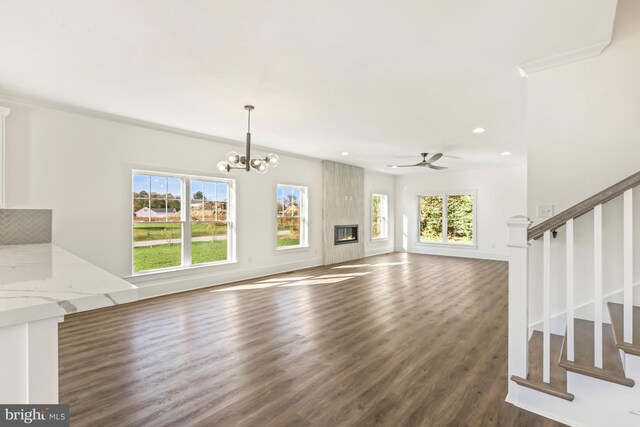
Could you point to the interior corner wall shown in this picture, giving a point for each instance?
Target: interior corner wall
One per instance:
(379, 183)
(80, 166)
(583, 136)
(501, 194)
(583, 121)
(343, 204)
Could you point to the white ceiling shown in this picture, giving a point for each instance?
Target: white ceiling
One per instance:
(381, 80)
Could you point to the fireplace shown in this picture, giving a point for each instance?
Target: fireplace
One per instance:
(345, 234)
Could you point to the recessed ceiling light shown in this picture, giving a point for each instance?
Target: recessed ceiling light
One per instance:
(506, 153)
(394, 167)
(345, 153)
(478, 130)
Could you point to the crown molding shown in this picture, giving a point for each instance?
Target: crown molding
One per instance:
(29, 100)
(563, 58)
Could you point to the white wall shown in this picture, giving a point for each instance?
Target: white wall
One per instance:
(501, 193)
(378, 183)
(80, 166)
(583, 120)
(584, 135)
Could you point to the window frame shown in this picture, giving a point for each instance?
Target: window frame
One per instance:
(185, 221)
(385, 217)
(304, 217)
(445, 195)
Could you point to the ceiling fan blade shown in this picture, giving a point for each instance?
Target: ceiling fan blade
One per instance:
(404, 166)
(434, 158)
(439, 168)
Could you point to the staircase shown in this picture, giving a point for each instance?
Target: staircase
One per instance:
(578, 366)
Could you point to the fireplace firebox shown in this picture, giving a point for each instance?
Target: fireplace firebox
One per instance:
(346, 234)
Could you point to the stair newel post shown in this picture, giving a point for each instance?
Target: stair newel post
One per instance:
(518, 300)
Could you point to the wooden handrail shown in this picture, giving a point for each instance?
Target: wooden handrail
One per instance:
(585, 206)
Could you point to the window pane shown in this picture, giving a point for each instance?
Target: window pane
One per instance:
(375, 210)
(289, 231)
(460, 231)
(222, 191)
(377, 228)
(430, 207)
(159, 187)
(431, 230)
(208, 242)
(173, 210)
(280, 201)
(156, 245)
(197, 210)
(158, 210)
(174, 188)
(460, 206)
(141, 186)
(209, 211)
(141, 211)
(197, 190)
(209, 191)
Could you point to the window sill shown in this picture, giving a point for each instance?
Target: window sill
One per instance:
(168, 271)
(447, 245)
(299, 248)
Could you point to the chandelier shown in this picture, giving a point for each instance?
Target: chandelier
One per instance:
(259, 164)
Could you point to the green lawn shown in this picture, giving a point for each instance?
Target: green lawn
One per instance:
(284, 241)
(165, 256)
(143, 231)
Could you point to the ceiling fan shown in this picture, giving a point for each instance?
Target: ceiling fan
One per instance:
(424, 163)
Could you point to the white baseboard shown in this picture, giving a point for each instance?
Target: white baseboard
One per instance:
(150, 287)
(378, 251)
(454, 252)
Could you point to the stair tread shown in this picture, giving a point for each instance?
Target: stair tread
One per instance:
(558, 384)
(612, 369)
(616, 312)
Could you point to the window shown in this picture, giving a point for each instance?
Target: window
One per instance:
(291, 217)
(379, 220)
(171, 230)
(447, 218)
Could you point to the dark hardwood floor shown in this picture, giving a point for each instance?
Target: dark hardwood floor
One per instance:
(393, 340)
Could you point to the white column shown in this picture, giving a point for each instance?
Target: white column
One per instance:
(29, 362)
(570, 291)
(518, 301)
(597, 285)
(546, 308)
(628, 266)
(4, 112)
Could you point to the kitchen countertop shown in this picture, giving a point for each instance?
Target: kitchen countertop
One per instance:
(42, 281)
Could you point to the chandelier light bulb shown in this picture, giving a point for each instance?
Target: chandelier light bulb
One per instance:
(262, 168)
(272, 160)
(232, 158)
(255, 163)
(222, 166)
